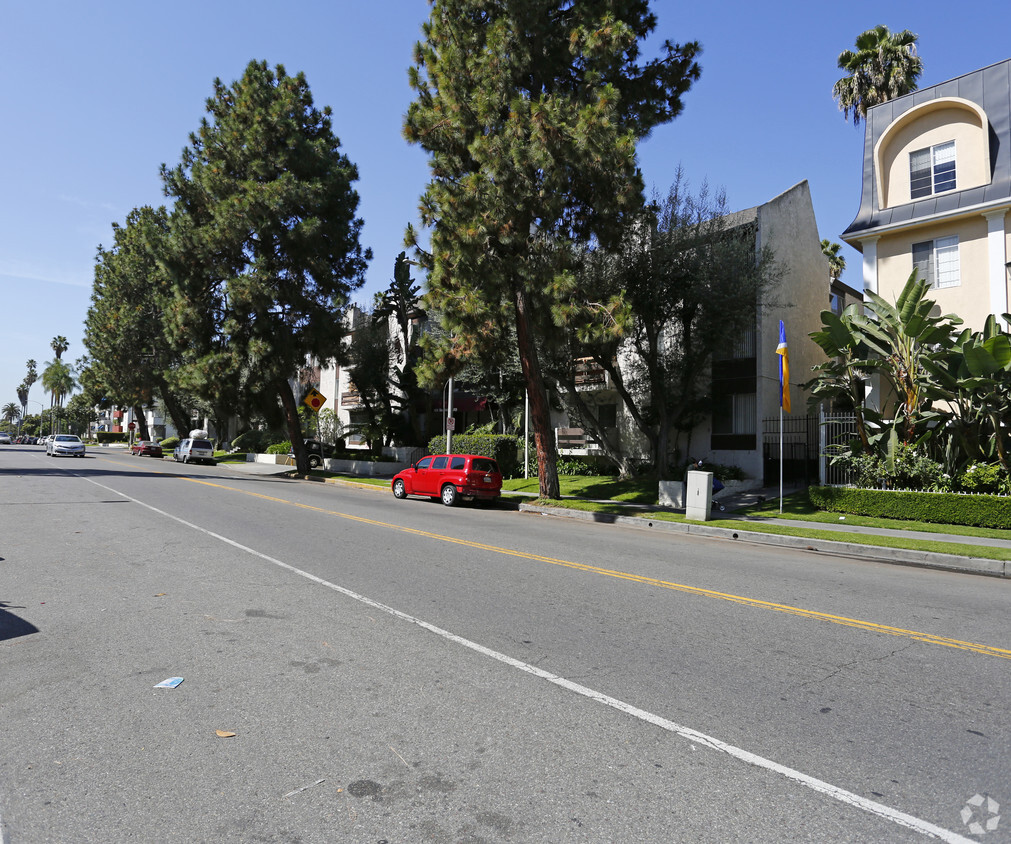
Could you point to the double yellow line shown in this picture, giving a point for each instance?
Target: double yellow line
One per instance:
(929, 638)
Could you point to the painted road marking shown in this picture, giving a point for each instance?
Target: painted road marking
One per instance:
(820, 786)
(859, 624)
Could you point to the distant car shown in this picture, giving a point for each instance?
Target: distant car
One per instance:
(194, 451)
(5, 438)
(65, 444)
(449, 478)
(142, 447)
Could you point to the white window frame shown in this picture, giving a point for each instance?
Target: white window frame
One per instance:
(932, 170)
(938, 262)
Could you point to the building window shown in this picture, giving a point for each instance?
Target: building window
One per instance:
(932, 170)
(607, 415)
(937, 261)
(734, 422)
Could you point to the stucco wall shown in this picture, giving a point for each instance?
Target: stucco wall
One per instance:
(970, 299)
(961, 125)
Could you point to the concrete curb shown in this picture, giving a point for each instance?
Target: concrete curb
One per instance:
(897, 556)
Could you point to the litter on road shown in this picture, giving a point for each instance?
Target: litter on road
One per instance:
(170, 683)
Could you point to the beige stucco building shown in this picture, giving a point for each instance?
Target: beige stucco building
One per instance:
(743, 427)
(936, 194)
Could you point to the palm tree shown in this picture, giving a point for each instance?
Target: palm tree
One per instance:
(58, 379)
(10, 413)
(884, 66)
(59, 345)
(836, 262)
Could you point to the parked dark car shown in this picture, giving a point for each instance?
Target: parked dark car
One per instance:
(146, 447)
(449, 478)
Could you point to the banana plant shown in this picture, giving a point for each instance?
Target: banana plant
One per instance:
(842, 377)
(901, 338)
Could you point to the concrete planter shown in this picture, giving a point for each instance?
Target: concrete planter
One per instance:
(278, 459)
(363, 468)
(360, 468)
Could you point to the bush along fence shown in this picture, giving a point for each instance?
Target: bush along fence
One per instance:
(504, 449)
(950, 508)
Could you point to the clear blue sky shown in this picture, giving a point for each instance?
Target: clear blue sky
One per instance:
(96, 96)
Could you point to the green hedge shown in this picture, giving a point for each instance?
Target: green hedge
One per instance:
(169, 443)
(948, 508)
(503, 449)
(112, 436)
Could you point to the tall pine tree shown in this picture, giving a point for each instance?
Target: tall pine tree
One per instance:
(530, 111)
(265, 243)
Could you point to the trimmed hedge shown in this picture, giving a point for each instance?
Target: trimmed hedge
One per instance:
(504, 449)
(112, 436)
(947, 508)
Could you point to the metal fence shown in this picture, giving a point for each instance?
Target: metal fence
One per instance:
(799, 449)
(836, 430)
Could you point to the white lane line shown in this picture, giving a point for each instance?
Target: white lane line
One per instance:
(842, 795)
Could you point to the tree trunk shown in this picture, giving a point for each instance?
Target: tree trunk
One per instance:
(180, 419)
(547, 471)
(294, 427)
(142, 431)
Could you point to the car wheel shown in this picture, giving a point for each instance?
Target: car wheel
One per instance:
(399, 490)
(186, 459)
(315, 461)
(449, 495)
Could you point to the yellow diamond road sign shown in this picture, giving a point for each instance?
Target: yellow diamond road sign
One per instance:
(315, 400)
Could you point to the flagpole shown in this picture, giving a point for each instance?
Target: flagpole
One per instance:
(781, 458)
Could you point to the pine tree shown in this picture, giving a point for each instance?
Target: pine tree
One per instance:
(265, 243)
(530, 111)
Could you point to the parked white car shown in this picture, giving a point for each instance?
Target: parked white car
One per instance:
(5, 438)
(65, 444)
(194, 451)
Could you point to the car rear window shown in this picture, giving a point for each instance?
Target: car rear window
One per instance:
(458, 463)
(440, 462)
(200, 444)
(484, 464)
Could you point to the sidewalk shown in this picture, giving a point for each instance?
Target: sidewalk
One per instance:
(740, 501)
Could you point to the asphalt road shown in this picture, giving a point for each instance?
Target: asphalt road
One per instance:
(400, 671)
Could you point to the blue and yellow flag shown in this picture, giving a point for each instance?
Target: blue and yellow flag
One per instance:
(784, 369)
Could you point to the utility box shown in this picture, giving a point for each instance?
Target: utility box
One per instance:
(699, 497)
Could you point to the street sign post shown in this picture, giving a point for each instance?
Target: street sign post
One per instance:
(314, 400)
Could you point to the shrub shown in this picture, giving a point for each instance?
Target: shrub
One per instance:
(989, 511)
(980, 477)
(566, 465)
(251, 441)
(909, 470)
(112, 437)
(724, 473)
(500, 447)
(279, 448)
(169, 443)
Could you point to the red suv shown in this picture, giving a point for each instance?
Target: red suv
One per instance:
(450, 477)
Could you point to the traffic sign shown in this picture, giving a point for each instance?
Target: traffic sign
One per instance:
(132, 426)
(314, 400)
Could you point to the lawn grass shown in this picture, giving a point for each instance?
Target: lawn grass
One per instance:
(594, 487)
(905, 542)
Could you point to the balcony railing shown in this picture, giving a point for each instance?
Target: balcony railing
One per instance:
(589, 374)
